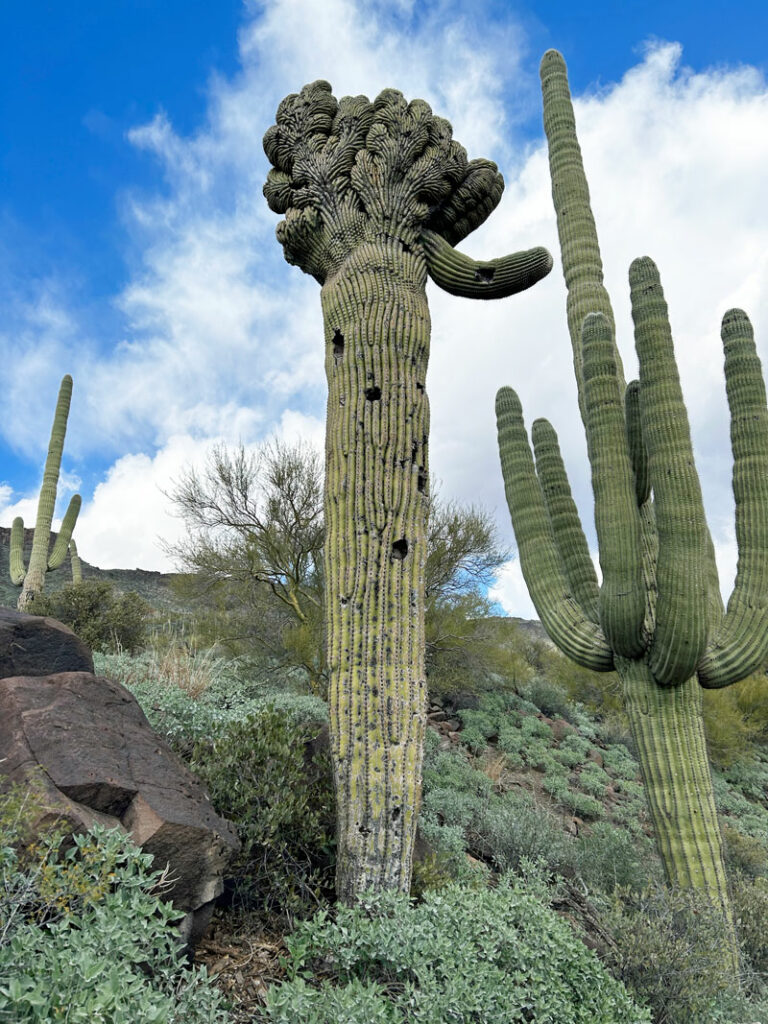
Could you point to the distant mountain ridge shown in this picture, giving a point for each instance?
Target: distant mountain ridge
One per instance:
(155, 587)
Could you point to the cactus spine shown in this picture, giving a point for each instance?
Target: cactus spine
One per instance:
(657, 617)
(32, 579)
(375, 195)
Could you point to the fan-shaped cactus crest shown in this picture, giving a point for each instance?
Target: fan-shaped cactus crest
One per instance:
(375, 195)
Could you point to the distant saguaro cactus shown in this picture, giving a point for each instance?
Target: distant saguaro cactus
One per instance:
(657, 617)
(74, 561)
(375, 194)
(33, 578)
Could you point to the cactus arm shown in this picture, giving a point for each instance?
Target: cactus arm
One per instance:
(38, 559)
(564, 517)
(77, 565)
(682, 603)
(579, 638)
(741, 644)
(580, 251)
(617, 522)
(61, 546)
(460, 275)
(638, 453)
(17, 567)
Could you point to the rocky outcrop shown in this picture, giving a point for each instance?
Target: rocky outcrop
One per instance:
(86, 745)
(32, 645)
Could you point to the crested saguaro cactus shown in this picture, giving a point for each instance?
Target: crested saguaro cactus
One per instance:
(32, 579)
(375, 194)
(657, 617)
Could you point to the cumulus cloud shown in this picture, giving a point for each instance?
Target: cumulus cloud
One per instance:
(222, 339)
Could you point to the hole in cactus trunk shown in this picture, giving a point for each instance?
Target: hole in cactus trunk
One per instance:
(421, 481)
(395, 813)
(485, 274)
(338, 345)
(419, 387)
(400, 549)
(373, 394)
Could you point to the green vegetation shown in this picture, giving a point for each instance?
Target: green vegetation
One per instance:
(103, 618)
(463, 954)
(85, 934)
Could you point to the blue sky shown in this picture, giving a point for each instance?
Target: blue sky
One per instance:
(137, 253)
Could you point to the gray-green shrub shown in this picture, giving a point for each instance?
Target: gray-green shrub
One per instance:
(463, 955)
(85, 934)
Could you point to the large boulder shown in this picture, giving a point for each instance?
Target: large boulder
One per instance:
(85, 744)
(33, 645)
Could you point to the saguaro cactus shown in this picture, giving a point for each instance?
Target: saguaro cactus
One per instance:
(657, 617)
(76, 564)
(375, 194)
(32, 579)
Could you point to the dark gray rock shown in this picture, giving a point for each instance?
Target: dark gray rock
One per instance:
(87, 748)
(32, 645)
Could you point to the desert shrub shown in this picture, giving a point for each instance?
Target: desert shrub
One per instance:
(573, 750)
(619, 762)
(514, 829)
(729, 734)
(435, 870)
(105, 618)
(259, 776)
(608, 858)
(477, 726)
(593, 780)
(548, 697)
(669, 951)
(744, 855)
(461, 955)
(91, 913)
(182, 712)
(600, 692)
(582, 805)
(749, 898)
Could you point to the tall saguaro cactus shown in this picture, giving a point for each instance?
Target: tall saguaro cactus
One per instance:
(375, 194)
(32, 579)
(657, 617)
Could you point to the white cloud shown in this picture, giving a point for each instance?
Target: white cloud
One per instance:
(122, 524)
(223, 339)
(510, 591)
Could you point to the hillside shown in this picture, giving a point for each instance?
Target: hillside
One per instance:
(154, 587)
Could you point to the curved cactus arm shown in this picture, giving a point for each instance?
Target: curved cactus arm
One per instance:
(564, 518)
(563, 619)
(741, 644)
(460, 275)
(681, 572)
(17, 567)
(77, 565)
(580, 251)
(617, 521)
(61, 546)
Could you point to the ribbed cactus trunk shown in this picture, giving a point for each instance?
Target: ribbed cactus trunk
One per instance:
(668, 730)
(377, 344)
(375, 195)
